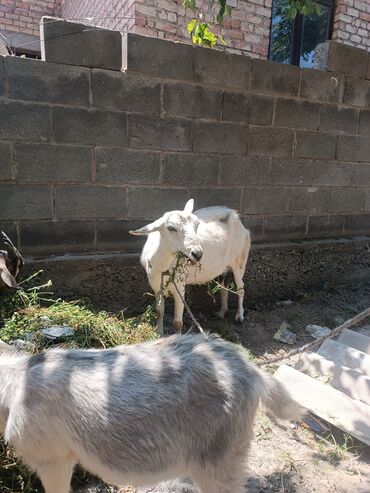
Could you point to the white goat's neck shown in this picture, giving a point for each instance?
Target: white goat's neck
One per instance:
(161, 259)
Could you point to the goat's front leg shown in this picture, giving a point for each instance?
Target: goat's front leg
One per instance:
(224, 295)
(56, 476)
(238, 276)
(178, 306)
(156, 284)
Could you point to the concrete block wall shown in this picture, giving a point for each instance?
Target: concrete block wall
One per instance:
(88, 154)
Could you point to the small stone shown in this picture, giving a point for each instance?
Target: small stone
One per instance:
(316, 331)
(285, 335)
(22, 345)
(57, 332)
(284, 303)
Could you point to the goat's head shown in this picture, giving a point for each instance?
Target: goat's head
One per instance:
(178, 230)
(11, 263)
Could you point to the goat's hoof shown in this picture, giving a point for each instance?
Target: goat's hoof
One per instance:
(220, 314)
(239, 319)
(177, 324)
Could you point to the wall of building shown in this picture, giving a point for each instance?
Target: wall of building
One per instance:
(352, 23)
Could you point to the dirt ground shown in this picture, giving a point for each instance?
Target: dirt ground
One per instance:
(284, 459)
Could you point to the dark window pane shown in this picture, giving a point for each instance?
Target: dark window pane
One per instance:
(281, 34)
(315, 31)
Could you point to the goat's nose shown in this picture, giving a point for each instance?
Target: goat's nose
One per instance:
(197, 254)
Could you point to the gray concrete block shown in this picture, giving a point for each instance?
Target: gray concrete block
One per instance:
(317, 145)
(54, 163)
(267, 141)
(244, 171)
(125, 92)
(357, 341)
(294, 113)
(328, 226)
(346, 59)
(25, 202)
(343, 355)
(322, 86)
(357, 92)
(285, 227)
(10, 228)
(353, 148)
(2, 76)
(259, 200)
(89, 202)
(192, 101)
(6, 162)
(222, 69)
(248, 108)
(22, 121)
(360, 174)
(151, 203)
(367, 201)
(118, 165)
(364, 124)
(219, 138)
(336, 119)
(78, 44)
(310, 200)
(275, 78)
(97, 127)
(356, 224)
(35, 80)
(292, 171)
(332, 174)
(254, 224)
(157, 57)
(149, 132)
(346, 199)
(114, 236)
(57, 237)
(206, 197)
(190, 169)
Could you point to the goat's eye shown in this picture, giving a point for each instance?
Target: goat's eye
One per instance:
(171, 228)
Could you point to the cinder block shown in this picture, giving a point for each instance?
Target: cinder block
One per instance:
(346, 199)
(292, 171)
(332, 174)
(261, 200)
(343, 355)
(317, 145)
(6, 160)
(2, 76)
(356, 224)
(367, 201)
(243, 171)
(364, 124)
(285, 227)
(353, 148)
(157, 57)
(118, 165)
(267, 141)
(115, 236)
(10, 228)
(275, 78)
(151, 203)
(360, 175)
(254, 224)
(329, 226)
(322, 86)
(35, 80)
(149, 132)
(97, 127)
(357, 341)
(25, 202)
(357, 92)
(89, 202)
(294, 113)
(23, 121)
(190, 169)
(57, 237)
(346, 59)
(310, 200)
(219, 138)
(78, 44)
(222, 69)
(248, 108)
(124, 92)
(206, 197)
(55, 163)
(192, 101)
(336, 119)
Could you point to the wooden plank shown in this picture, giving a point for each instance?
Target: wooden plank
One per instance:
(355, 340)
(351, 416)
(345, 356)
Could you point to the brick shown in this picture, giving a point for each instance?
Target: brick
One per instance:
(151, 56)
(243, 171)
(219, 137)
(353, 148)
(360, 174)
(322, 86)
(22, 121)
(151, 203)
(311, 200)
(295, 113)
(117, 91)
(89, 202)
(190, 169)
(357, 224)
(114, 235)
(75, 44)
(265, 200)
(315, 145)
(275, 78)
(151, 132)
(357, 92)
(2, 76)
(207, 197)
(329, 226)
(77, 125)
(337, 119)
(6, 160)
(346, 200)
(35, 80)
(118, 165)
(25, 202)
(264, 141)
(346, 59)
(57, 237)
(292, 171)
(192, 101)
(222, 69)
(44, 162)
(248, 108)
(332, 174)
(364, 123)
(285, 227)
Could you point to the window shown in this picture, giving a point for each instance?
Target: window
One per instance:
(294, 41)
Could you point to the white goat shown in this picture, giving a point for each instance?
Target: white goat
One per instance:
(213, 235)
(183, 406)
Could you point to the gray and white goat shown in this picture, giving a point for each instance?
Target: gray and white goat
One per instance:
(182, 406)
(213, 239)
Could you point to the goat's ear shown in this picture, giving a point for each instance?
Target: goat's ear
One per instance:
(149, 228)
(6, 277)
(189, 206)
